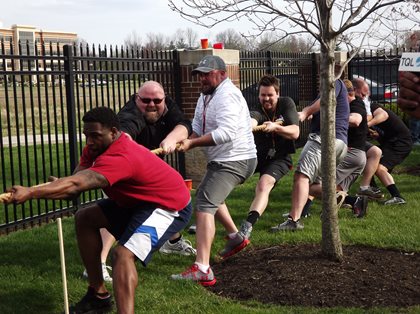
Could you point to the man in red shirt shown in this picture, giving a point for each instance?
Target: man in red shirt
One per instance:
(148, 203)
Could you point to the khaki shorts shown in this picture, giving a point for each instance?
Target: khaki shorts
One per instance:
(220, 179)
(309, 162)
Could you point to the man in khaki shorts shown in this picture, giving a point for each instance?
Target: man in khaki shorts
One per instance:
(221, 125)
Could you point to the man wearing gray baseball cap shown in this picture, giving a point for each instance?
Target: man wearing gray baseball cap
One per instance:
(222, 126)
(208, 64)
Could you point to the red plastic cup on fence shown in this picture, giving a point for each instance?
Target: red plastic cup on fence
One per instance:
(218, 45)
(188, 183)
(204, 43)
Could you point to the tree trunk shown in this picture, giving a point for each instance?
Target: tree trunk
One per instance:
(331, 243)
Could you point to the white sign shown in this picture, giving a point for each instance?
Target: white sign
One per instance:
(410, 61)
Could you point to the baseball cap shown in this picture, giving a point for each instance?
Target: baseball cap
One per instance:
(210, 63)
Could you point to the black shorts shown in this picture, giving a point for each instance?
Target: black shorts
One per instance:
(395, 151)
(277, 168)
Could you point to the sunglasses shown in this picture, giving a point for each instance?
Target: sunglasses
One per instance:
(156, 101)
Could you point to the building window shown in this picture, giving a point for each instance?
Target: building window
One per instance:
(26, 43)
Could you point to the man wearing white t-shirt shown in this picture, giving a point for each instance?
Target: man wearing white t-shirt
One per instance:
(221, 125)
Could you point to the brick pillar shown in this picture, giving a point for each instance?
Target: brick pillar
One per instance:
(195, 161)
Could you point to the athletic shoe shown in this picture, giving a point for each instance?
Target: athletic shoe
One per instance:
(288, 225)
(192, 229)
(195, 274)
(303, 215)
(360, 206)
(182, 247)
(372, 193)
(246, 229)
(395, 201)
(105, 274)
(90, 303)
(341, 196)
(233, 246)
(347, 206)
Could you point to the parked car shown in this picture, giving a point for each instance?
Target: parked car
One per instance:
(381, 93)
(93, 83)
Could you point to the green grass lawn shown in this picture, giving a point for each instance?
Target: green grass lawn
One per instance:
(30, 275)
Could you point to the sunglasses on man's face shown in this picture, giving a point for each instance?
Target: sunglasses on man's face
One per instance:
(147, 101)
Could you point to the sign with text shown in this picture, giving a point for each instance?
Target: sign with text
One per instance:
(410, 61)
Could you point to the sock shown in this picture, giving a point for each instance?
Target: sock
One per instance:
(290, 218)
(305, 210)
(393, 190)
(175, 240)
(253, 216)
(232, 235)
(103, 295)
(100, 295)
(202, 268)
(350, 200)
(364, 187)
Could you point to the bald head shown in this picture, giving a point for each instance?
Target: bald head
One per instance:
(151, 101)
(361, 88)
(151, 86)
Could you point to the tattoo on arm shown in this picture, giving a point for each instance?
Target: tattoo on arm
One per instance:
(92, 179)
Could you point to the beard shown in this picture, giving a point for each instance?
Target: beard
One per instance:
(151, 117)
(207, 90)
(269, 106)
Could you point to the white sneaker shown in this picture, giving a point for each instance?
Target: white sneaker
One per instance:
(105, 273)
(182, 247)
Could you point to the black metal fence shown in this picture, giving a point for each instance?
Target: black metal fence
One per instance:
(380, 71)
(44, 93)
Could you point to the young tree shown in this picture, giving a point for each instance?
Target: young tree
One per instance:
(316, 18)
(185, 38)
(191, 38)
(231, 39)
(275, 42)
(156, 41)
(133, 41)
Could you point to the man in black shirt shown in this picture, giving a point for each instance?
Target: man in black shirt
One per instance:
(154, 121)
(275, 142)
(395, 141)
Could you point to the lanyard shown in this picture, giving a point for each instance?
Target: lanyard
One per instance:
(272, 120)
(206, 101)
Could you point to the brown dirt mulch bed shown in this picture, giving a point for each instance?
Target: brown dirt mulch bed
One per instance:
(297, 275)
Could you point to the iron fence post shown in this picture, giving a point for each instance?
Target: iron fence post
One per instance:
(315, 75)
(178, 100)
(269, 64)
(71, 110)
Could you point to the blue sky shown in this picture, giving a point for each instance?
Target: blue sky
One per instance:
(99, 22)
